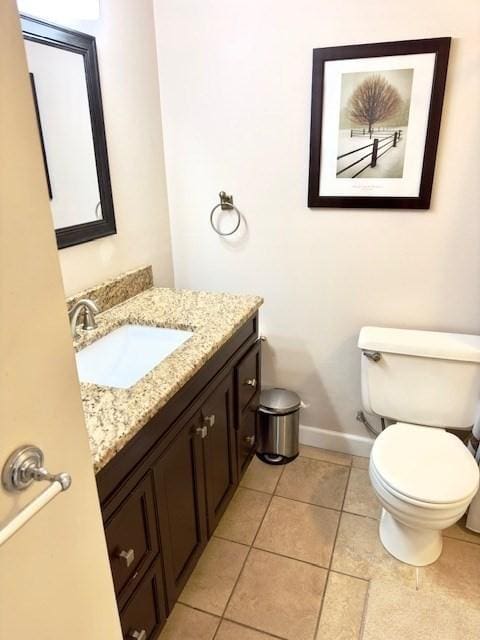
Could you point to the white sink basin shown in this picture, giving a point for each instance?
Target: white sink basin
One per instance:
(126, 354)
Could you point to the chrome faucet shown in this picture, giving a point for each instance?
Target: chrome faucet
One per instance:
(86, 310)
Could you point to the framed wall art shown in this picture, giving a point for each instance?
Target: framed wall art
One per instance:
(376, 111)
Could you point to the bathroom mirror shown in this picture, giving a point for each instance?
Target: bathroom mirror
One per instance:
(66, 92)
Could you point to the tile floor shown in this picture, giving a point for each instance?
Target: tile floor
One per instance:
(296, 556)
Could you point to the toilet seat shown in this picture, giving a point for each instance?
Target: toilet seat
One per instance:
(424, 466)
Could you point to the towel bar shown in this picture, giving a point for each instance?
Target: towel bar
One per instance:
(22, 468)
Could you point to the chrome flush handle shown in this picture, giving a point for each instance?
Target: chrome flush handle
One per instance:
(373, 355)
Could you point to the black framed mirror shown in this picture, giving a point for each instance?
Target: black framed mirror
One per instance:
(66, 91)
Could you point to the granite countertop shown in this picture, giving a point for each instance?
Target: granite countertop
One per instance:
(114, 416)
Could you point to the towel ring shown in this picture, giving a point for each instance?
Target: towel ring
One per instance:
(226, 203)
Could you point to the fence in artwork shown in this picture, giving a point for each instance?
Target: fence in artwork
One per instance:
(382, 142)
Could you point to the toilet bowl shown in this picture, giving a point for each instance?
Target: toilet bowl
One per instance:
(424, 478)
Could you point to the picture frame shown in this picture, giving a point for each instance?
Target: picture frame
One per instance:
(375, 122)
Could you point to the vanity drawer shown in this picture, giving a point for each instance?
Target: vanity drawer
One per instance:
(247, 377)
(144, 614)
(131, 534)
(246, 437)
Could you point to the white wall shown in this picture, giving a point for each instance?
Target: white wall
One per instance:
(128, 74)
(235, 83)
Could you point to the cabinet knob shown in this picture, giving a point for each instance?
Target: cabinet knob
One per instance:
(250, 382)
(209, 421)
(137, 635)
(202, 431)
(127, 556)
(250, 440)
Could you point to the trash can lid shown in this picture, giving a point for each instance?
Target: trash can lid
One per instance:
(278, 400)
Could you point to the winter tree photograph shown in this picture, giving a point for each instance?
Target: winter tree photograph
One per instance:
(374, 112)
(375, 123)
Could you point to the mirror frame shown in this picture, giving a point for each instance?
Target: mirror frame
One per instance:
(36, 30)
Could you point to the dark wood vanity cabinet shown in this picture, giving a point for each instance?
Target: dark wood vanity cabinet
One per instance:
(164, 493)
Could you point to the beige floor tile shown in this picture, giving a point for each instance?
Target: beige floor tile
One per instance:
(261, 476)
(233, 631)
(460, 532)
(396, 612)
(343, 607)
(243, 516)
(302, 531)
(325, 454)
(360, 462)
(213, 579)
(456, 573)
(314, 481)
(360, 497)
(359, 552)
(188, 624)
(278, 595)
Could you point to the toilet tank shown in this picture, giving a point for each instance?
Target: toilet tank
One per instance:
(421, 377)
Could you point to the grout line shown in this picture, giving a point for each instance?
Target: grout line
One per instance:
(246, 559)
(313, 504)
(284, 555)
(243, 544)
(264, 493)
(361, 515)
(350, 575)
(476, 544)
(190, 606)
(364, 612)
(322, 602)
(246, 626)
(339, 464)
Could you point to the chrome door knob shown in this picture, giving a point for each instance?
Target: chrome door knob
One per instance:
(127, 556)
(250, 440)
(137, 635)
(250, 382)
(209, 421)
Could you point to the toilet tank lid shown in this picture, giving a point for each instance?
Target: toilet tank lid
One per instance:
(427, 344)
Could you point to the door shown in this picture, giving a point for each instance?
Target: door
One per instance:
(179, 488)
(55, 580)
(219, 448)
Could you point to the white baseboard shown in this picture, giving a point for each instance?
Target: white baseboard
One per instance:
(336, 440)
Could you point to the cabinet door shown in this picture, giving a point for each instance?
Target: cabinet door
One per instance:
(179, 486)
(219, 449)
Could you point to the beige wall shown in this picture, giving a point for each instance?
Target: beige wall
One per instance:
(236, 85)
(128, 73)
(55, 579)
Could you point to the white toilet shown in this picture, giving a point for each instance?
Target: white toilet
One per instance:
(424, 477)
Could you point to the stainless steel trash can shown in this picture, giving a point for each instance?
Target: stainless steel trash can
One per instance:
(278, 425)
